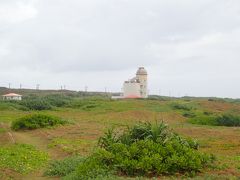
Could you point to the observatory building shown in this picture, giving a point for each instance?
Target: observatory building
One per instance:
(137, 86)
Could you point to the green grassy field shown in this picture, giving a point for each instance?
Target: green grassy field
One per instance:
(91, 116)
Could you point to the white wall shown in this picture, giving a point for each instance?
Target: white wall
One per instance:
(130, 89)
(17, 98)
(143, 85)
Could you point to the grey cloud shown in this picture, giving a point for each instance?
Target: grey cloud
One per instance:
(176, 40)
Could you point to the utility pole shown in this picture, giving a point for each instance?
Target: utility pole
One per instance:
(9, 85)
(20, 86)
(86, 88)
(64, 87)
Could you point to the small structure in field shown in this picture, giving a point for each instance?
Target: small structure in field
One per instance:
(12, 96)
(137, 86)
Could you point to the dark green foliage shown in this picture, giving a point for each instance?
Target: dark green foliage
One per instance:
(142, 150)
(57, 100)
(147, 157)
(189, 114)
(92, 168)
(207, 113)
(228, 120)
(77, 167)
(36, 104)
(47, 102)
(160, 98)
(87, 104)
(147, 149)
(35, 121)
(178, 106)
(204, 119)
(158, 133)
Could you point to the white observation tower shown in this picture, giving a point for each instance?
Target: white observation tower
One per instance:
(137, 86)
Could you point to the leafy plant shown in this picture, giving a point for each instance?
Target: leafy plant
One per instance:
(36, 104)
(158, 133)
(142, 150)
(35, 121)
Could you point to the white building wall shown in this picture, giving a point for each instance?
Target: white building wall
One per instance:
(131, 89)
(18, 98)
(143, 85)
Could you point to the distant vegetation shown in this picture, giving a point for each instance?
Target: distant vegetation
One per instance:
(179, 106)
(35, 121)
(228, 120)
(142, 150)
(207, 118)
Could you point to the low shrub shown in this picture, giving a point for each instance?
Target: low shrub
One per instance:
(158, 133)
(230, 120)
(57, 100)
(207, 113)
(22, 158)
(178, 106)
(9, 105)
(36, 104)
(85, 104)
(189, 114)
(35, 121)
(63, 167)
(77, 167)
(142, 150)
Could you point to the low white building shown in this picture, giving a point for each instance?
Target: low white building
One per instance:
(137, 86)
(12, 96)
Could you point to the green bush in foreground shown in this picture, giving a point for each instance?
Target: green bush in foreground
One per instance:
(22, 158)
(35, 121)
(142, 150)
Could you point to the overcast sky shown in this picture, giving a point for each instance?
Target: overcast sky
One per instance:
(188, 47)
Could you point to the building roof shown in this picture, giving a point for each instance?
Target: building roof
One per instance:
(141, 71)
(11, 95)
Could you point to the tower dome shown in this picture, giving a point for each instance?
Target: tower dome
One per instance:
(141, 71)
